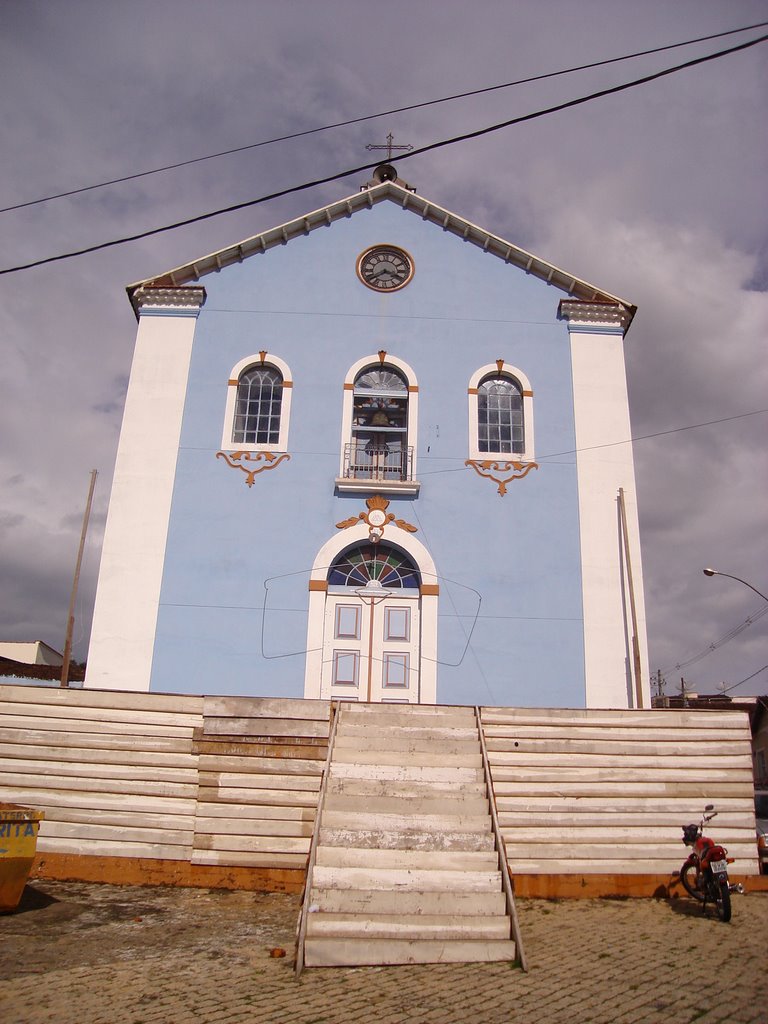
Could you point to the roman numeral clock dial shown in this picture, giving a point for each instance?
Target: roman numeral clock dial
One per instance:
(385, 268)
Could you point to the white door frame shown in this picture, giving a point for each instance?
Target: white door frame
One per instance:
(318, 587)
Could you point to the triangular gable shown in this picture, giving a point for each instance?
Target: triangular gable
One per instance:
(367, 197)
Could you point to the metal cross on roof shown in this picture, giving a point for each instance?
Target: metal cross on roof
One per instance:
(389, 147)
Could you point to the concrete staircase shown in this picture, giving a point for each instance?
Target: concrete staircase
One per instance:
(406, 868)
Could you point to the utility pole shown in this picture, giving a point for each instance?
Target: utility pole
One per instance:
(683, 692)
(75, 582)
(659, 683)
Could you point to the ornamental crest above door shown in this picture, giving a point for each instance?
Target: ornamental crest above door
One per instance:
(376, 519)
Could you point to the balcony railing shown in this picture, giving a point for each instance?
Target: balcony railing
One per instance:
(382, 462)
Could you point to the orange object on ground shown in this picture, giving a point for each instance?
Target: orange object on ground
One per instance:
(18, 839)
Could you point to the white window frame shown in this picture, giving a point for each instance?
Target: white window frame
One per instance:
(266, 359)
(506, 370)
(374, 362)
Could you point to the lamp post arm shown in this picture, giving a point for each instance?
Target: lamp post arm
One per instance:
(716, 572)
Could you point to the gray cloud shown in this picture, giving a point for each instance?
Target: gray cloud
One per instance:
(656, 194)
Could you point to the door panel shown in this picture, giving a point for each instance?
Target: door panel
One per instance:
(371, 648)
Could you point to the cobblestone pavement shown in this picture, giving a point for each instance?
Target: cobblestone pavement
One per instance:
(77, 953)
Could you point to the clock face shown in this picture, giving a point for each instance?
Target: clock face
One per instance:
(385, 268)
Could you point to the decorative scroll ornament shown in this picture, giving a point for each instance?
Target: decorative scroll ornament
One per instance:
(511, 470)
(376, 519)
(236, 460)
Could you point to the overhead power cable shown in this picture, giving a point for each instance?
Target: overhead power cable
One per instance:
(613, 90)
(730, 635)
(658, 433)
(727, 689)
(383, 113)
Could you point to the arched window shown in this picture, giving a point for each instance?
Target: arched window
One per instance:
(374, 563)
(500, 414)
(258, 405)
(257, 409)
(379, 427)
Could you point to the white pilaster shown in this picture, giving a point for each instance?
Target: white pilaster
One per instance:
(133, 554)
(601, 409)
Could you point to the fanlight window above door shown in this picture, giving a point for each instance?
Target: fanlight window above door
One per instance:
(377, 563)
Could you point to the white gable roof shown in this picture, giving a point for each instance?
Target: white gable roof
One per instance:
(387, 191)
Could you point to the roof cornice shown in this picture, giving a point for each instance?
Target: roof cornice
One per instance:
(613, 315)
(367, 198)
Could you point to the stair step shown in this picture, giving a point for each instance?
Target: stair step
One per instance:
(403, 773)
(441, 823)
(412, 901)
(404, 790)
(447, 927)
(332, 877)
(407, 732)
(457, 804)
(408, 860)
(409, 719)
(322, 952)
(405, 839)
(392, 740)
(419, 757)
(355, 708)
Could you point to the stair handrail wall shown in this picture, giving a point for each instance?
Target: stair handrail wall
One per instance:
(302, 928)
(506, 878)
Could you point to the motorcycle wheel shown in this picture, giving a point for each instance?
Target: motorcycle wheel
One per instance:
(688, 878)
(722, 898)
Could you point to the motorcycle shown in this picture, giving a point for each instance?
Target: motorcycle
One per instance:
(705, 873)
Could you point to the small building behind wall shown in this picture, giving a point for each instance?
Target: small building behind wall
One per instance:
(30, 652)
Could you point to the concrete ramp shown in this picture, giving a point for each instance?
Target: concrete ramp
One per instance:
(406, 867)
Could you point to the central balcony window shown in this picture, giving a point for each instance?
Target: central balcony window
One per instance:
(377, 451)
(379, 460)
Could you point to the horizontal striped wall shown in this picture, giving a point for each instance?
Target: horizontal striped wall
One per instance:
(178, 788)
(588, 792)
(208, 781)
(260, 765)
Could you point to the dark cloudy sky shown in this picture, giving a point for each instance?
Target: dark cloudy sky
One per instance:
(657, 194)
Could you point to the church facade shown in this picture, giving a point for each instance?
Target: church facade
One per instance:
(363, 457)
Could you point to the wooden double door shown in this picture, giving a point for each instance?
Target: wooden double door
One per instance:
(372, 645)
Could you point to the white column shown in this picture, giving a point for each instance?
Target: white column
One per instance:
(601, 410)
(133, 554)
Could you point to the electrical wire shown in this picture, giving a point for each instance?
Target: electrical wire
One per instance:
(539, 458)
(383, 113)
(730, 635)
(727, 689)
(613, 90)
(658, 433)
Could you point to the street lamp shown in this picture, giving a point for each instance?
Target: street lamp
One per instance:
(715, 572)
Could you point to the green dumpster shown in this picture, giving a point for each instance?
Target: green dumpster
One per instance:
(18, 839)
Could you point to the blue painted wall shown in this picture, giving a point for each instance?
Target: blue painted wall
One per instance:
(303, 302)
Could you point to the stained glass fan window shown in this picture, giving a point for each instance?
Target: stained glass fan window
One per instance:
(360, 565)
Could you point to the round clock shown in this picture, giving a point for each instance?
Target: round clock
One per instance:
(385, 268)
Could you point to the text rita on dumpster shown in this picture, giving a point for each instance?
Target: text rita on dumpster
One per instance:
(12, 829)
